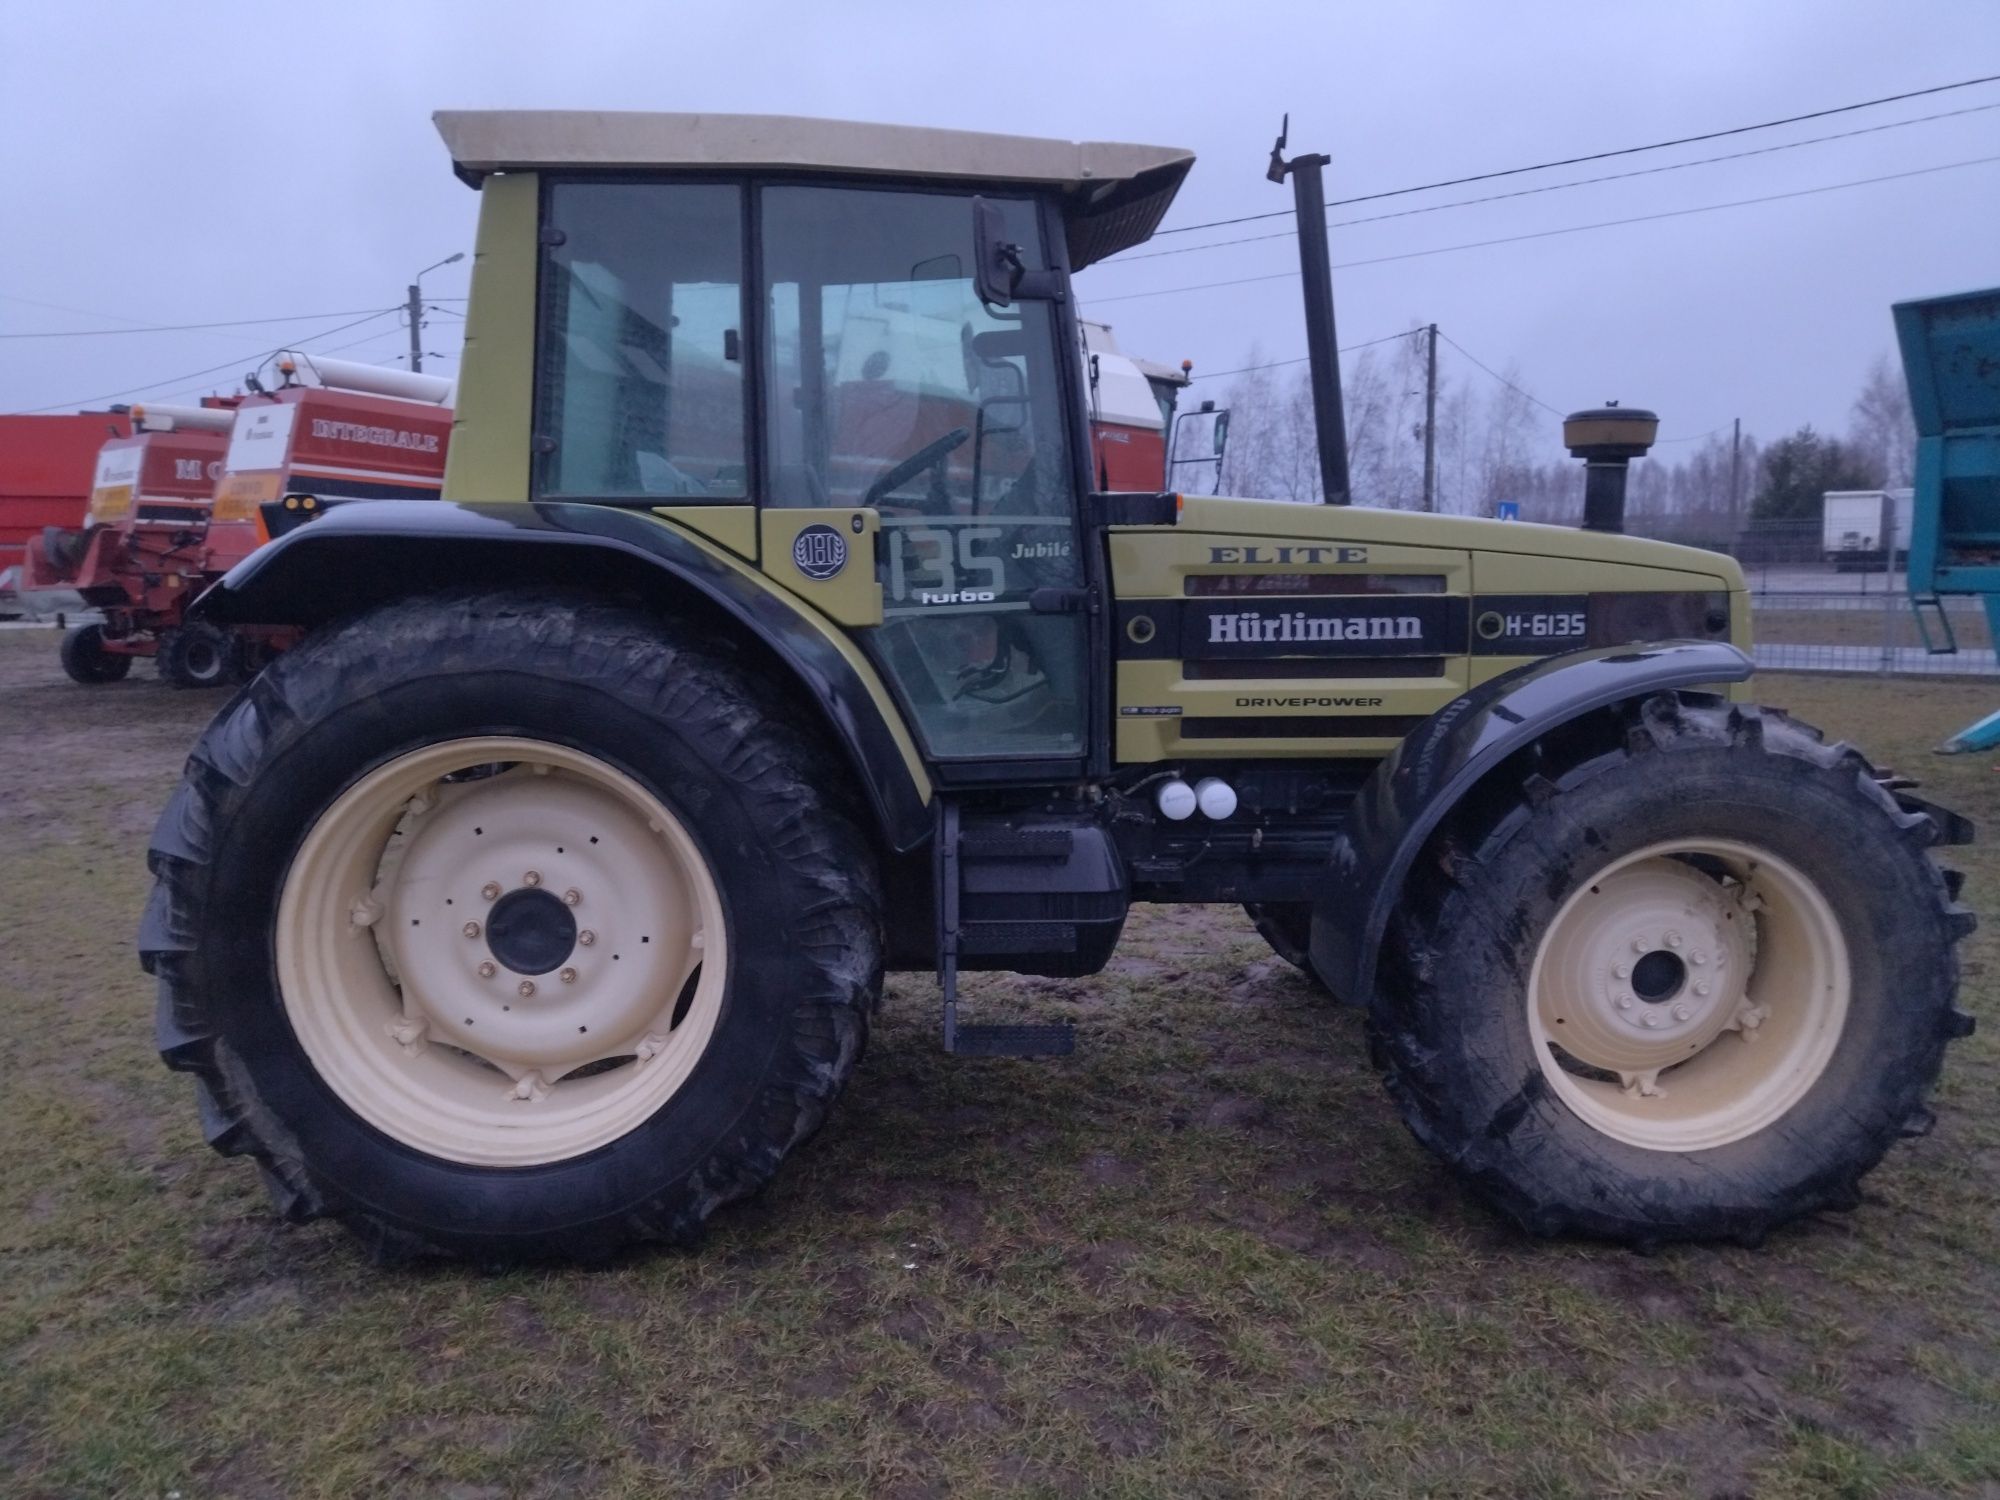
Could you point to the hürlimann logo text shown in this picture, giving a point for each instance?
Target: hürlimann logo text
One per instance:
(1256, 625)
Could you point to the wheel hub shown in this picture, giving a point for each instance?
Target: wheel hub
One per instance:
(501, 950)
(530, 931)
(1647, 969)
(1643, 970)
(534, 925)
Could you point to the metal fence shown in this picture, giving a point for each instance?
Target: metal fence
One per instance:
(1829, 622)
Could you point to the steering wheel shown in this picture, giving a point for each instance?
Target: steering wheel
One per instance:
(929, 456)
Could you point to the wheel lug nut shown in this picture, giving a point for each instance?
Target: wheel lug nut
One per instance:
(533, 877)
(1703, 987)
(1673, 940)
(568, 976)
(1624, 1002)
(1681, 1012)
(572, 898)
(488, 969)
(1623, 971)
(490, 890)
(586, 937)
(1698, 957)
(1639, 944)
(1651, 1019)
(526, 988)
(470, 929)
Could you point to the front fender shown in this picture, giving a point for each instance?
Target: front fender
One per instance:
(368, 552)
(1411, 791)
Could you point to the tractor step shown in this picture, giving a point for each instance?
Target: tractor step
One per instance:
(1055, 1039)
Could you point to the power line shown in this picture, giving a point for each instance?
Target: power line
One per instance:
(1273, 364)
(1695, 438)
(84, 333)
(234, 364)
(1530, 395)
(83, 312)
(1543, 234)
(1557, 187)
(1572, 161)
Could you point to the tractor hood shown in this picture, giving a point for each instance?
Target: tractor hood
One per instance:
(1361, 526)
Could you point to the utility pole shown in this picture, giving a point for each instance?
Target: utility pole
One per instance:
(416, 328)
(1430, 423)
(415, 311)
(1736, 479)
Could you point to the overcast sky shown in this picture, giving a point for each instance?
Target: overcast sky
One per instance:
(182, 163)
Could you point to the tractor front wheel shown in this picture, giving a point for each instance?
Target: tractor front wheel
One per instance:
(1691, 986)
(87, 660)
(506, 929)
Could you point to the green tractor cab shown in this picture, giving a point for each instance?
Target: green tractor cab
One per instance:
(772, 633)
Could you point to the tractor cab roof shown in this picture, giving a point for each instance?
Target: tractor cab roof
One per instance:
(1113, 196)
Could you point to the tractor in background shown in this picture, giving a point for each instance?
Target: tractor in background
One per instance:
(192, 492)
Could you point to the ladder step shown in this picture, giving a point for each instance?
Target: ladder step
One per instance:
(1055, 1039)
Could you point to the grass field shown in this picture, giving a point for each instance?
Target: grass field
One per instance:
(1202, 1257)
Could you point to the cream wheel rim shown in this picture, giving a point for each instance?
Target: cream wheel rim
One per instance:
(501, 951)
(1689, 994)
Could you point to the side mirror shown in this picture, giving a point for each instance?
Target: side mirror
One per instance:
(1221, 432)
(996, 262)
(999, 274)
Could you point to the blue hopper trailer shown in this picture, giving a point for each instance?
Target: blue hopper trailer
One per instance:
(1951, 361)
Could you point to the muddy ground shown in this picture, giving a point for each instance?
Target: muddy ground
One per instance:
(1202, 1257)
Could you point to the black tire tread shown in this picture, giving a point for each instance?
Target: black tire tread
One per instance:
(1494, 813)
(768, 751)
(86, 661)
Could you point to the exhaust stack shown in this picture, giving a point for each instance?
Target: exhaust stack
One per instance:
(1607, 438)
(1322, 348)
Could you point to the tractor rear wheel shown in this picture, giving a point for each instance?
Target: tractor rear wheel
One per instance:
(86, 659)
(511, 928)
(1691, 987)
(198, 656)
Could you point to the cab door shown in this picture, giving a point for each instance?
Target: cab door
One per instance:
(915, 436)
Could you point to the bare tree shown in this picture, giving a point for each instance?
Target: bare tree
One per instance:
(1880, 424)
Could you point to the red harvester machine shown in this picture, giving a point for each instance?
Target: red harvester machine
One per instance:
(1131, 412)
(143, 550)
(178, 504)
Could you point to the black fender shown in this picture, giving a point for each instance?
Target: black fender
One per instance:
(363, 553)
(1411, 791)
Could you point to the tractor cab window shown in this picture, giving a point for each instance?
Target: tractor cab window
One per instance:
(889, 384)
(641, 389)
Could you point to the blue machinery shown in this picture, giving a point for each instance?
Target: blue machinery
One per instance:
(1951, 361)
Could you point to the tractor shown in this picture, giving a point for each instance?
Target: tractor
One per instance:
(773, 631)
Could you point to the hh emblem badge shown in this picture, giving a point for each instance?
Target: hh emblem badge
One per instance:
(819, 552)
